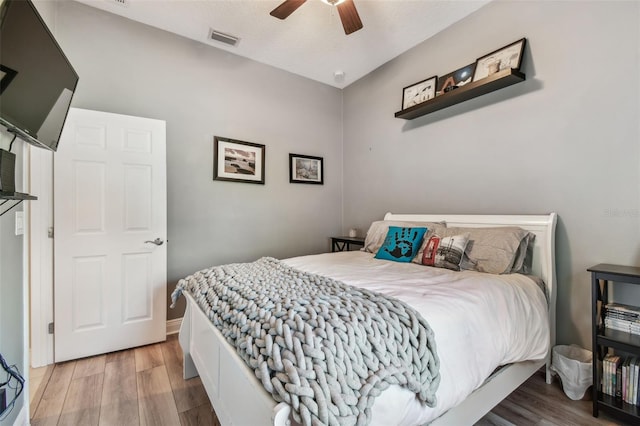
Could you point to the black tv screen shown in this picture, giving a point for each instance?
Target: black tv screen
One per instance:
(37, 81)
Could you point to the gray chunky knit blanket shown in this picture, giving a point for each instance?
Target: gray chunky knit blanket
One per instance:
(324, 347)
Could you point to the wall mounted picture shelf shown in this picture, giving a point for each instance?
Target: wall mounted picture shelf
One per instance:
(17, 197)
(494, 82)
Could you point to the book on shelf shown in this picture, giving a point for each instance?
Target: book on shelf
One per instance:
(618, 379)
(630, 318)
(621, 378)
(633, 380)
(610, 364)
(619, 307)
(622, 314)
(622, 325)
(605, 375)
(625, 379)
(635, 394)
(617, 383)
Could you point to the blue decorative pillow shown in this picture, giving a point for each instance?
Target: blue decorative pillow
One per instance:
(401, 244)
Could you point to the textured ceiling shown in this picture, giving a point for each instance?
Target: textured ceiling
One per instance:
(311, 41)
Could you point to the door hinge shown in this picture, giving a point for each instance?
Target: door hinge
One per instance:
(50, 328)
(50, 232)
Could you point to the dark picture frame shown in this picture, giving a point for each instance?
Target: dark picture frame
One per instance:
(455, 79)
(306, 169)
(419, 92)
(509, 56)
(238, 161)
(6, 75)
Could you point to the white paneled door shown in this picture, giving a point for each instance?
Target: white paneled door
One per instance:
(110, 224)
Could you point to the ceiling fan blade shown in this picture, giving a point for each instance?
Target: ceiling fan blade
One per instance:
(287, 8)
(349, 17)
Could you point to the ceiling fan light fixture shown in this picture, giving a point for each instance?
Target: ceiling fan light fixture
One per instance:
(333, 2)
(346, 9)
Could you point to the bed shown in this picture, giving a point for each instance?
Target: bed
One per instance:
(233, 387)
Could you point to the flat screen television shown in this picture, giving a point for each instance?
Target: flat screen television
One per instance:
(37, 81)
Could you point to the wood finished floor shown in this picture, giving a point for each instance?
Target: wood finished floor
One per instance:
(144, 386)
(141, 386)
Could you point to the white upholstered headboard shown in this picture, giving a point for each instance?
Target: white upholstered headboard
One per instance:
(544, 253)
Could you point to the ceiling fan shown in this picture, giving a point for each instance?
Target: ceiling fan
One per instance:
(348, 14)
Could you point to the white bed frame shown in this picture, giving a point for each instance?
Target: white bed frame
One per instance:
(239, 398)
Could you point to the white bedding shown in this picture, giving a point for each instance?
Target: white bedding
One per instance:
(481, 321)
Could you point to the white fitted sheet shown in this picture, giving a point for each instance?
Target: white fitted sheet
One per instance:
(481, 321)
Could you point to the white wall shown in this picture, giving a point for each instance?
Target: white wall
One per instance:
(130, 68)
(565, 140)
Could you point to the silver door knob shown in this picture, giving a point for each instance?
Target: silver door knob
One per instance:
(157, 242)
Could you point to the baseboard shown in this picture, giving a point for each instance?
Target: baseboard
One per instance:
(23, 417)
(173, 326)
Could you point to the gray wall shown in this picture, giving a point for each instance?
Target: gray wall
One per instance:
(12, 291)
(130, 68)
(565, 140)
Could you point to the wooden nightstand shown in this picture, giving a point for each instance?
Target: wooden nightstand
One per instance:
(345, 243)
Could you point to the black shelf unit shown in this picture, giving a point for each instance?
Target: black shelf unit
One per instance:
(605, 338)
(499, 80)
(619, 408)
(17, 197)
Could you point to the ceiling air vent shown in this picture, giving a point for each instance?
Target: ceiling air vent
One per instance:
(222, 37)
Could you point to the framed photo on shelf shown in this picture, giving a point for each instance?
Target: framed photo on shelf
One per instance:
(509, 56)
(238, 161)
(419, 92)
(455, 79)
(306, 169)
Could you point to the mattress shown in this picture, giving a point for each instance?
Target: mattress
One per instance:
(481, 321)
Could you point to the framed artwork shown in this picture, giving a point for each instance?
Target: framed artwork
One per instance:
(419, 92)
(306, 169)
(6, 75)
(238, 161)
(507, 57)
(455, 79)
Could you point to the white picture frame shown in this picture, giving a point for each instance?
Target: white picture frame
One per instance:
(509, 56)
(419, 92)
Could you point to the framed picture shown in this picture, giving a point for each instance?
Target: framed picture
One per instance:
(455, 79)
(306, 169)
(419, 92)
(507, 57)
(238, 161)
(6, 75)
